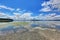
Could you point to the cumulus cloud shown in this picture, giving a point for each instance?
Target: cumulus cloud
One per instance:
(24, 16)
(5, 7)
(45, 3)
(57, 17)
(3, 15)
(18, 9)
(51, 16)
(28, 16)
(18, 14)
(55, 4)
(52, 5)
(46, 9)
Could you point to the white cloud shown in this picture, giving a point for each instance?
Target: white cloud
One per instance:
(45, 3)
(27, 16)
(57, 17)
(24, 16)
(51, 16)
(53, 3)
(3, 15)
(18, 9)
(46, 9)
(18, 14)
(5, 7)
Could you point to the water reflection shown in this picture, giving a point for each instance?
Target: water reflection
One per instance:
(47, 24)
(28, 24)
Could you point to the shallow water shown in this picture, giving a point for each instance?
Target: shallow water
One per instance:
(30, 24)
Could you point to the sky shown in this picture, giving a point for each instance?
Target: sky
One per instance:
(30, 9)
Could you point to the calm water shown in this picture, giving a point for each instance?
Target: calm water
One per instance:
(29, 24)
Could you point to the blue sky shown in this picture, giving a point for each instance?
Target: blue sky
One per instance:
(29, 5)
(36, 7)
